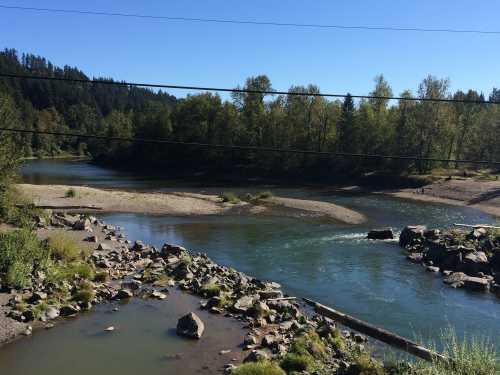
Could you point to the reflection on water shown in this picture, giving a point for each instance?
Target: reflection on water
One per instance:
(144, 343)
(330, 263)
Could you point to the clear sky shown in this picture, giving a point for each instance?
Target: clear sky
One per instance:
(190, 53)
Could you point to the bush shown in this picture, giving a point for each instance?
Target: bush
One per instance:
(467, 357)
(20, 253)
(71, 193)
(309, 344)
(63, 247)
(258, 368)
(229, 197)
(297, 362)
(68, 271)
(365, 365)
(85, 293)
(210, 290)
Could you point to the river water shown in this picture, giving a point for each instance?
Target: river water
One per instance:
(331, 263)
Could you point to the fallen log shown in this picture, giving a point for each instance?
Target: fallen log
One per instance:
(281, 299)
(375, 332)
(52, 207)
(476, 226)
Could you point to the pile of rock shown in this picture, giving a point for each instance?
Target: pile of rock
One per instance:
(469, 259)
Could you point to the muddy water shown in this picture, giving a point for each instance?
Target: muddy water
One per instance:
(144, 342)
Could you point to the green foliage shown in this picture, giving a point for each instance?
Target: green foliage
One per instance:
(63, 247)
(210, 290)
(20, 254)
(101, 276)
(61, 270)
(229, 197)
(71, 193)
(297, 362)
(258, 368)
(473, 356)
(364, 364)
(85, 292)
(309, 343)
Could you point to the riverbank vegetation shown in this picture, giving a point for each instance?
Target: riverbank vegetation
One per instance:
(374, 126)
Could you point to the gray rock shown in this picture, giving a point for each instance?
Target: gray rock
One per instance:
(412, 235)
(83, 224)
(51, 313)
(190, 326)
(243, 304)
(257, 356)
(381, 234)
(476, 284)
(123, 294)
(69, 310)
(104, 247)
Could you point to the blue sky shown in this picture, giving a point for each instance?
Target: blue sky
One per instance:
(191, 53)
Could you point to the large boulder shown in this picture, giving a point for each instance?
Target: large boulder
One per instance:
(475, 262)
(412, 235)
(190, 326)
(477, 284)
(83, 224)
(381, 234)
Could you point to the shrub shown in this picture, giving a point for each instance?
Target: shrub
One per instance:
(258, 368)
(210, 290)
(466, 357)
(229, 197)
(70, 193)
(297, 362)
(85, 293)
(365, 365)
(309, 344)
(68, 271)
(101, 276)
(64, 247)
(20, 253)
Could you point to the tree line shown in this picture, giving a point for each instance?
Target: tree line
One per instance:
(372, 126)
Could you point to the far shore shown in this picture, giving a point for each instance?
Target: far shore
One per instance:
(180, 204)
(467, 192)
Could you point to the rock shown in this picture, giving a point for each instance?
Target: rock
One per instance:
(28, 331)
(69, 310)
(224, 352)
(138, 246)
(243, 304)
(270, 294)
(381, 234)
(257, 356)
(456, 279)
(415, 257)
(104, 247)
(51, 313)
(475, 262)
(476, 284)
(359, 338)
(412, 235)
(83, 224)
(174, 250)
(158, 295)
(432, 269)
(190, 326)
(123, 294)
(476, 234)
(131, 284)
(38, 296)
(268, 341)
(92, 239)
(259, 310)
(250, 340)
(109, 329)
(28, 315)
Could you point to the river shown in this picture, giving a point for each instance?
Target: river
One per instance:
(331, 263)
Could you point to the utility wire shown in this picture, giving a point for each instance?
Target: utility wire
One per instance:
(239, 90)
(259, 23)
(247, 148)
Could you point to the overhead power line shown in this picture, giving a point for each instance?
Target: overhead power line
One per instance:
(248, 148)
(258, 23)
(239, 90)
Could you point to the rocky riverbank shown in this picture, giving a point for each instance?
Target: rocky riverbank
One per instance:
(278, 328)
(466, 258)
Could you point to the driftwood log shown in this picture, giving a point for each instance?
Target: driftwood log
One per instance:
(375, 332)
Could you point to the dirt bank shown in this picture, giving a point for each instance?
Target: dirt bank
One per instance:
(180, 204)
(483, 195)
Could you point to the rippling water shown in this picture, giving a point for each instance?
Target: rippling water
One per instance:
(330, 263)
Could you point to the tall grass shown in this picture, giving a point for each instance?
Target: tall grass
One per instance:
(474, 356)
(258, 368)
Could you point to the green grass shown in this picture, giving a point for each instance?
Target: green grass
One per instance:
(229, 197)
(85, 293)
(71, 193)
(60, 271)
(258, 368)
(63, 247)
(210, 290)
(20, 253)
(297, 363)
(474, 356)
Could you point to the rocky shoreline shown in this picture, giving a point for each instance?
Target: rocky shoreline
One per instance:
(468, 259)
(275, 322)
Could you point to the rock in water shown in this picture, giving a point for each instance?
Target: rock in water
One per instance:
(381, 234)
(191, 326)
(412, 235)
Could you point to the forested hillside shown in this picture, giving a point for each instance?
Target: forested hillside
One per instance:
(426, 129)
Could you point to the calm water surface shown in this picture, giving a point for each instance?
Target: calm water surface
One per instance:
(328, 262)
